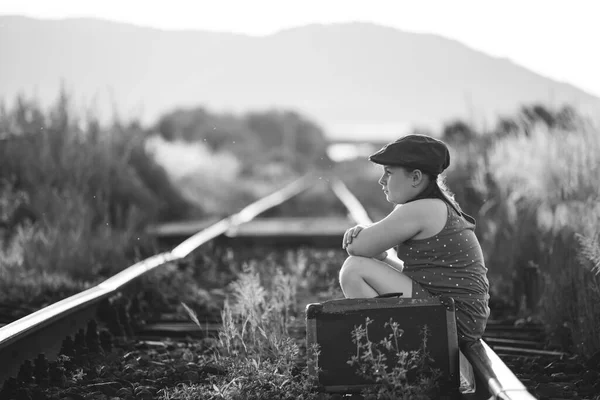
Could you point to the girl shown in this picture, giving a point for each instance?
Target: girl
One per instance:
(432, 236)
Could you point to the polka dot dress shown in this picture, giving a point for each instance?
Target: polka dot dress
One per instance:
(451, 263)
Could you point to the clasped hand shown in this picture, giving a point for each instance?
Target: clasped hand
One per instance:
(353, 232)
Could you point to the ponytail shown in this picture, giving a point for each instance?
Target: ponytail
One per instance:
(448, 196)
(437, 189)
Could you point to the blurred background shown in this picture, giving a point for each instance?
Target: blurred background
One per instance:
(118, 115)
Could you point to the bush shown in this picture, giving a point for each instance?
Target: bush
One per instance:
(535, 195)
(550, 198)
(91, 192)
(259, 140)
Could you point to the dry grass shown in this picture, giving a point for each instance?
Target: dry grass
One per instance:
(537, 202)
(261, 359)
(86, 186)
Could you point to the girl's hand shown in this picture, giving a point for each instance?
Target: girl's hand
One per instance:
(382, 256)
(351, 234)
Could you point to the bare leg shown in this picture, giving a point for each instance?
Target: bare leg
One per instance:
(362, 277)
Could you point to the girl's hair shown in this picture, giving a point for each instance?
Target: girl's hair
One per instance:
(440, 182)
(437, 189)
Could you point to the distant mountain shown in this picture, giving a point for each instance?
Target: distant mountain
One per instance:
(355, 79)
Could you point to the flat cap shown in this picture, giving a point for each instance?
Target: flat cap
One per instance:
(415, 151)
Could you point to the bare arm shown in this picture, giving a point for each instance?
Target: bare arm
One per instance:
(389, 256)
(402, 224)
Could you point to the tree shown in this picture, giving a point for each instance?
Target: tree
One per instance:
(458, 132)
(506, 126)
(301, 141)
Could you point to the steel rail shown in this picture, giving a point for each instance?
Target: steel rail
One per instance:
(355, 209)
(493, 378)
(360, 215)
(44, 330)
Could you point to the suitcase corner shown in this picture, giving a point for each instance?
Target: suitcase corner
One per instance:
(313, 310)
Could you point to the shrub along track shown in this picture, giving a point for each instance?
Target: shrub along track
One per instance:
(143, 346)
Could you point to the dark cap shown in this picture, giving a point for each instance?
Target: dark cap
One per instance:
(415, 151)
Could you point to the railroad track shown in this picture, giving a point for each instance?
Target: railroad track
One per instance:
(30, 345)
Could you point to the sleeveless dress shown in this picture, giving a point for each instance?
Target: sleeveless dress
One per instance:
(451, 263)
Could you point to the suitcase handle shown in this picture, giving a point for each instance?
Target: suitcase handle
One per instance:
(395, 294)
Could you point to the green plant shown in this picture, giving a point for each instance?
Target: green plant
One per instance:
(548, 217)
(411, 375)
(93, 191)
(256, 321)
(531, 185)
(262, 361)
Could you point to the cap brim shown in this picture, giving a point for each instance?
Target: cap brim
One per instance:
(381, 159)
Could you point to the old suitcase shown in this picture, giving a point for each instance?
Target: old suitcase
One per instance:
(331, 326)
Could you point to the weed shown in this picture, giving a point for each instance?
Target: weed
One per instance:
(551, 217)
(262, 360)
(410, 375)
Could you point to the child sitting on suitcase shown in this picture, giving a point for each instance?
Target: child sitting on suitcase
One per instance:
(432, 236)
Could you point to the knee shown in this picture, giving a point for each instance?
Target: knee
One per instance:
(353, 268)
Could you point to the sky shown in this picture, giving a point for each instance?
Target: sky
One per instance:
(557, 39)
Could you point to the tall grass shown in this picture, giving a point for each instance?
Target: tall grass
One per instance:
(536, 197)
(254, 345)
(92, 190)
(550, 192)
(256, 321)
